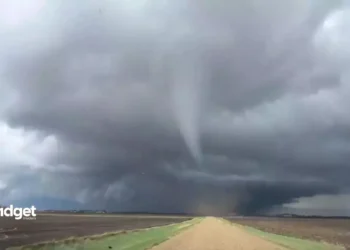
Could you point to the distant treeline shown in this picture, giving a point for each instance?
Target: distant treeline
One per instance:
(309, 216)
(193, 214)
(111, 212)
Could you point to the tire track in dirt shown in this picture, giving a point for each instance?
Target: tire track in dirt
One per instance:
(215, 234)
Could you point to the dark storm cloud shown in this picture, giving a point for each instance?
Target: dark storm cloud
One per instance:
(185, 106)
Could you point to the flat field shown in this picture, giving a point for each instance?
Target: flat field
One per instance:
(335, 231)
(60, 226)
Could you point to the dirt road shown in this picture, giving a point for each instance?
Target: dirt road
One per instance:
(215, 234)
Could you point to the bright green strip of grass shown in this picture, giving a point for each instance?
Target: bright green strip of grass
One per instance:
(291, 242)
(134, 240)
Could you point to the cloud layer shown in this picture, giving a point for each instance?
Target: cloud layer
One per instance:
(179, 106)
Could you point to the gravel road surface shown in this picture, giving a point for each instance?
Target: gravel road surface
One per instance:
(216, 234)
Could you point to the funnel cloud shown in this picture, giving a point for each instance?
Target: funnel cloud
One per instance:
(186, 98)
(176, 106)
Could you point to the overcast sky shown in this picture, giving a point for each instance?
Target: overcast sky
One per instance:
(176, 106)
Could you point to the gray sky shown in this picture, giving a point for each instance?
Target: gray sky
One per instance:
(187, 105)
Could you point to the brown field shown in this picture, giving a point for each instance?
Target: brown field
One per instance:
(336, 231)
(54, 227)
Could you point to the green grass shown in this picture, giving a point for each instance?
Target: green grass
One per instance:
(133, 240)
(291, 242)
